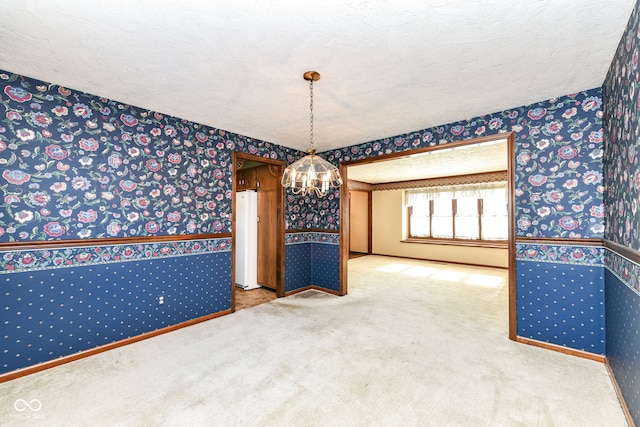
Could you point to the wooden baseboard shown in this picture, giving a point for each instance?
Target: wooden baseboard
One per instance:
(623, 402)
(560, 349)
(97, 350)
(313, 287)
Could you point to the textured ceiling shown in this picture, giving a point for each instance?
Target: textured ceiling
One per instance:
(468, 159)
(388, 67)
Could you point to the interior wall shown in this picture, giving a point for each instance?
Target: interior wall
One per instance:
(74, 299)
(622, 234)
(79, 166)
(311, 260)
(558, 177)
(359, 221)
(557, 164)
(388, 233)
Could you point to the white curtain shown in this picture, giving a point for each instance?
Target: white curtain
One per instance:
(495, 191)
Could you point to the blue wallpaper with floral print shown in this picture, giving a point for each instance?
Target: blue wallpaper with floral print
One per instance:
(621, 99)
(621, 165)
(558, 164)
(78, 166)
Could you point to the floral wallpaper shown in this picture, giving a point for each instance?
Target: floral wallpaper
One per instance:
(621, 105)
(43, 259)
(304, 212)
(558, 164)
(562, 254)
(621, 167)
(628, 272)
(77, 166)
(312, 237)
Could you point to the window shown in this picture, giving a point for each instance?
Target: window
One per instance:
(467, 218)
(466, 212)
(442, 218)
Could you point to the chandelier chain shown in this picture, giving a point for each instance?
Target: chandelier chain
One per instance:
(312, 141)
(311, 174)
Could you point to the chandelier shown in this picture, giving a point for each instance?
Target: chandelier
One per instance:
(311, 174)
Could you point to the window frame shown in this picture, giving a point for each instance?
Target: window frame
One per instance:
(495, 243)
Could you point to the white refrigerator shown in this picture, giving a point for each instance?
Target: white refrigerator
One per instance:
(247, 239)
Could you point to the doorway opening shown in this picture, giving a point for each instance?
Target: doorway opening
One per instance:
(406, 156)
(257, 266)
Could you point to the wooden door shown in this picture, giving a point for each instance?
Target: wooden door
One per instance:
(268, 186)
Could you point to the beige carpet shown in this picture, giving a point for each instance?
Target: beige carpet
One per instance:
(413, 344)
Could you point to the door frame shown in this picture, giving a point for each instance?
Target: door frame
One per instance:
(280, 224)
(345, 214)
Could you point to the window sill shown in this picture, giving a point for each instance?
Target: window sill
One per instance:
(498, 244)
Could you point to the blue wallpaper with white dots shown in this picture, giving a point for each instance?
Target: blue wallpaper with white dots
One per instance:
(57, 311)
(325, 258)
(311, 259)
(562, 303)
(298, 266)
(622, 302)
